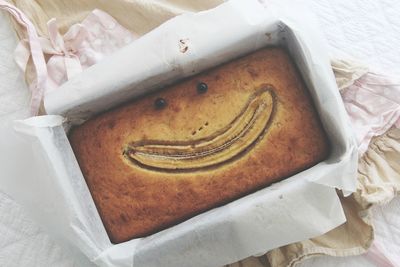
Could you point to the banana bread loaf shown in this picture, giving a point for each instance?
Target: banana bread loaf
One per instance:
(198, 144)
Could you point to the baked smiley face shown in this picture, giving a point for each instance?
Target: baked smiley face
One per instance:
(199, 144)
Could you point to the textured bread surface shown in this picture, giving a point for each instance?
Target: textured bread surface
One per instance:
(150, 167)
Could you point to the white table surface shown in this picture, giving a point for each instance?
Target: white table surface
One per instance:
(368, 30)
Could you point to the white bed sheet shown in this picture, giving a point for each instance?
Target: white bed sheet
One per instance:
(367, 30)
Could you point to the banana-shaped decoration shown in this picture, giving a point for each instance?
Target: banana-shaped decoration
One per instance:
(222, 146)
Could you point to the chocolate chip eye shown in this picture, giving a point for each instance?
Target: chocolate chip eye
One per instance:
(202, 88)
(160, 103)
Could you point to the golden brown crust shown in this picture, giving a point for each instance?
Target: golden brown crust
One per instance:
(149, 168)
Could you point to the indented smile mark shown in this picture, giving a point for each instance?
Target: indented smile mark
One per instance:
(224, 145)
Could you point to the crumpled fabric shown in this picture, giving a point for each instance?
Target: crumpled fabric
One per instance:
(38, 84)
(58, 58)
(373, 105)
(347, 72)
(83, 45)
(379, 170)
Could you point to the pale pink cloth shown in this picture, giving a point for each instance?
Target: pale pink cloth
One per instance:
(38, 86)
(373, 105)
(377, 254)
(83, 45)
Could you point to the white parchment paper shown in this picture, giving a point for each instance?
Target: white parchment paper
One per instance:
(303, 206)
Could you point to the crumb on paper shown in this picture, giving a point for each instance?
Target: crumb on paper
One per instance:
(183, 46)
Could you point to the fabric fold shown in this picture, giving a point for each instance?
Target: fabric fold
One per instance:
(83, 45)
(37, 87)
(373, 105)
(379, 170)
